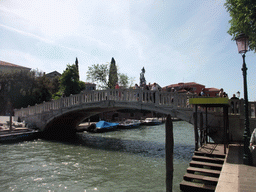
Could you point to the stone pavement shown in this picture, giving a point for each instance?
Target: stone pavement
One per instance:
(235, 176)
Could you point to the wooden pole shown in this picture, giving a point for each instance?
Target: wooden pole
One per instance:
(169, 152)
(206, 125)
(201, 127)
(10, 122)
(195, 128)
(225, 122)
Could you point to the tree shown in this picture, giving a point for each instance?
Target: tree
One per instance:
(243, 19)
(69, 81)
(77, 68)
(113, 78)
(20, 89)
(98, 73)
(123, 80)
(41, 91)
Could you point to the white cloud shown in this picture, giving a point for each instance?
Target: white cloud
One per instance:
(26, 34)
(47, 18)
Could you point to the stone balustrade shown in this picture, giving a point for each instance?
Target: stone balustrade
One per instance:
(157, 98)
(161, 99)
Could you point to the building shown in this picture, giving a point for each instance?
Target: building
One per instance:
(212, 92)
(6, 67)
(90, 86)
(192, 87)
(53, 74)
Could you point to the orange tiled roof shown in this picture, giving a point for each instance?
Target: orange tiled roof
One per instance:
(3, 63)
(212, 89)
(182, 84)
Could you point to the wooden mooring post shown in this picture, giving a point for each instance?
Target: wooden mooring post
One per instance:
(195, 128)
(169, 153)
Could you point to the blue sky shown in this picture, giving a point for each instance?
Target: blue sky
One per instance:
(176, 41)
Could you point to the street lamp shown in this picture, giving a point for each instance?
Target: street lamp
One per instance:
(242, 42)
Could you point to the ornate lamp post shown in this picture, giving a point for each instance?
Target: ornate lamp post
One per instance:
(242, 42)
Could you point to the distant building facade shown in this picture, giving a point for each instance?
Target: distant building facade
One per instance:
(90, 86)
(6, 67)
(53, 74)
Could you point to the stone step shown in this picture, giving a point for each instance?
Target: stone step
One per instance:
(203, 178)
(211, 172)
(202, 164)
(198, 187)
(208, 159)
(218, 155)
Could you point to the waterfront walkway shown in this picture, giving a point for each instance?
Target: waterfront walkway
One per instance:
(235, 176)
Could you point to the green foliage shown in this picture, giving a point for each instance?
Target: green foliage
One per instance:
(54, 85)
(98, 73)
(123, 80)
(57, 95)
(113, 78)
(69, 81)
(243, 19)
(20, 89)
(41, 91)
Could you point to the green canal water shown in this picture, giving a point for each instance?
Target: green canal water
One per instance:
(119, 161)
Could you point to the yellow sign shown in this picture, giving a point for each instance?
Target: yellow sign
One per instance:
(209, 100)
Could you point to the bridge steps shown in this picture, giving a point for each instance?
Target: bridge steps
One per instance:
(203, 171)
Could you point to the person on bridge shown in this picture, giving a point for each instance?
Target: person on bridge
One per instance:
(119, 93)
(117, 86)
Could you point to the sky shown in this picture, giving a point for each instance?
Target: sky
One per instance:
(175, 41)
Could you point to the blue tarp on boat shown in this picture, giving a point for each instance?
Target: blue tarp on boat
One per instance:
(105, 125)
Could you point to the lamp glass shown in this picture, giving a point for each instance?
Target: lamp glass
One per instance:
(242, 42)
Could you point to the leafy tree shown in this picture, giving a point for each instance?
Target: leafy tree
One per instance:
(123, 80)
(54, 85)
(113, 78)
(20, 89)
(41, 91)
(69, 81)
(243, 19)
(98, 73)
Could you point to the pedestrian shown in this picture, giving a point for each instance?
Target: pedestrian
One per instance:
(119, 93)
(252, 146)
(221, 92)
(203, 93)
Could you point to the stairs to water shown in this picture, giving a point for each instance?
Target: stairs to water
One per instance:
(203, 172)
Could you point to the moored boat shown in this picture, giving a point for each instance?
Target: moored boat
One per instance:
(102, 126)
(129, 123)
(152, 121)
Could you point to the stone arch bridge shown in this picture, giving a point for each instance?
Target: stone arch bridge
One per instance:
(68, 112)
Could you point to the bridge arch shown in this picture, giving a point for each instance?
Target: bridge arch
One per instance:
(88, 103)
(70, 111)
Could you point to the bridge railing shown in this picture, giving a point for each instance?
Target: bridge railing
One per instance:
(157, 98)
(237, 107)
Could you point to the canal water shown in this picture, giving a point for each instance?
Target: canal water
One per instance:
(119, 161)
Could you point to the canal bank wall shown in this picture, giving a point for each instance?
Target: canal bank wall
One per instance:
(17, 133)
